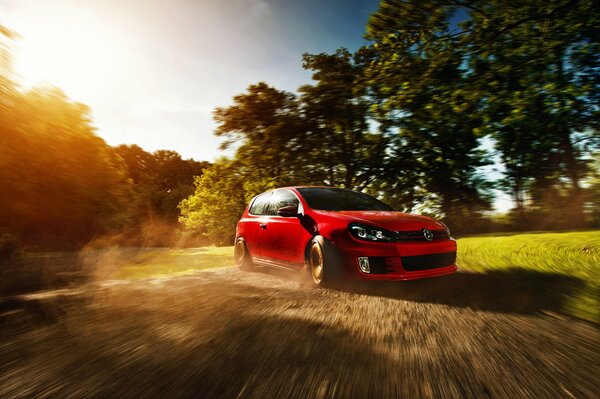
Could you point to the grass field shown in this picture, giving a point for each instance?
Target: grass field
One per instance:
(174, 262)
(574, 255)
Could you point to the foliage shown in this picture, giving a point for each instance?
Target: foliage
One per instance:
(217, 203)
(61, 182)
(405, 118)
(63, 185)
(524, 73)
(338, 145)
(266, 125)
(542, 100)
(420, 95)
(161, 180)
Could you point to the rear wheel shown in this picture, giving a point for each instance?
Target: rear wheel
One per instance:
(241, 255)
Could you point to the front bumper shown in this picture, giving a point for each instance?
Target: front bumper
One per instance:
(404, 275)
(400, 260)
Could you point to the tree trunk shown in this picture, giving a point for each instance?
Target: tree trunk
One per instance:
(575, 210)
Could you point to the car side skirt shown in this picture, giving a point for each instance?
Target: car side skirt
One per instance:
(268, 262)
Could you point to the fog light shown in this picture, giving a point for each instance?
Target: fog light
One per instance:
(363, 263)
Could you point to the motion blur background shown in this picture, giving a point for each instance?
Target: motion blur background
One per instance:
(483, 114)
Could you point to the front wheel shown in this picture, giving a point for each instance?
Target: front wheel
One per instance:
(316, 263)
(323, 265)
(241, 255)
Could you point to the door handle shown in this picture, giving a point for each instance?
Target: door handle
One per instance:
(263, 226)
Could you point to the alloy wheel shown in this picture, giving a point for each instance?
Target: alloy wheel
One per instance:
(316, 263)
(239, 252)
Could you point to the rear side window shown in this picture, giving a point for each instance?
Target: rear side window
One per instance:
(269, 203)
(260, 204)
(280, 199)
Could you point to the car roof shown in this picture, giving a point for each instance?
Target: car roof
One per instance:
(296, 187)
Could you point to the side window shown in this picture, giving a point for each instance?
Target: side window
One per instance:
(280, 199)
(260, 204)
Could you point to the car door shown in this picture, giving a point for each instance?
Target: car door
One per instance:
(283, 238)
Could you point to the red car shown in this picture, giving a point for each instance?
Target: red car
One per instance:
(336, 233)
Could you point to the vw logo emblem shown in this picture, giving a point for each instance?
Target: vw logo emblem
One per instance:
(427, 234)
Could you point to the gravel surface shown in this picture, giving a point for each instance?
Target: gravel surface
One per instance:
(233, 334)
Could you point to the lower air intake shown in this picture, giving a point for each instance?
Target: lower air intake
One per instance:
(425, 262)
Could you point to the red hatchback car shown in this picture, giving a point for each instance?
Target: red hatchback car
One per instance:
(335, 233)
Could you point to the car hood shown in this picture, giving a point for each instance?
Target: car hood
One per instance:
(390, 220)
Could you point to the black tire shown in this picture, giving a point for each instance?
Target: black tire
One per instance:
(241, 255)
(324, 268)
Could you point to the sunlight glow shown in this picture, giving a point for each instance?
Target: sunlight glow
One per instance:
(76, 52)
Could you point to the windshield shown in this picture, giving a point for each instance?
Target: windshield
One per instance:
(339, 199)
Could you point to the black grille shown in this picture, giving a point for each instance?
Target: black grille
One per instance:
(425, 262)
(417, 235)
(378, 265)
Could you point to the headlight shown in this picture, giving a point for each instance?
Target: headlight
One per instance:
(369, 233)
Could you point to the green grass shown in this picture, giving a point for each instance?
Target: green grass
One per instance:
(571, 254)
(174, 262)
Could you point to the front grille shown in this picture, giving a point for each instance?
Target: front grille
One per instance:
(425, 262)
(417, 235)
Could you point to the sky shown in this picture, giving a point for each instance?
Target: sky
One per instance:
(153, 71)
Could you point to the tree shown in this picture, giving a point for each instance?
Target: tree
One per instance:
(340, 147)
(592, 192)
(493, 75)
(217, 203)
(420, 88)
(161, 180)
(269, 131)
(61, 183)
(538, 75)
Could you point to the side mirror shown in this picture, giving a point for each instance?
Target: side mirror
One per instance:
(288, 211)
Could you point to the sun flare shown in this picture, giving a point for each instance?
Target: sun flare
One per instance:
(77, 53)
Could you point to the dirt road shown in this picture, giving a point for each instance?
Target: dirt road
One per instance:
(232, 334)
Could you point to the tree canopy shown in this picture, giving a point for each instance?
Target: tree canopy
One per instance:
(60, 182)
(441, 91)
(62, 185)
(524, 74)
